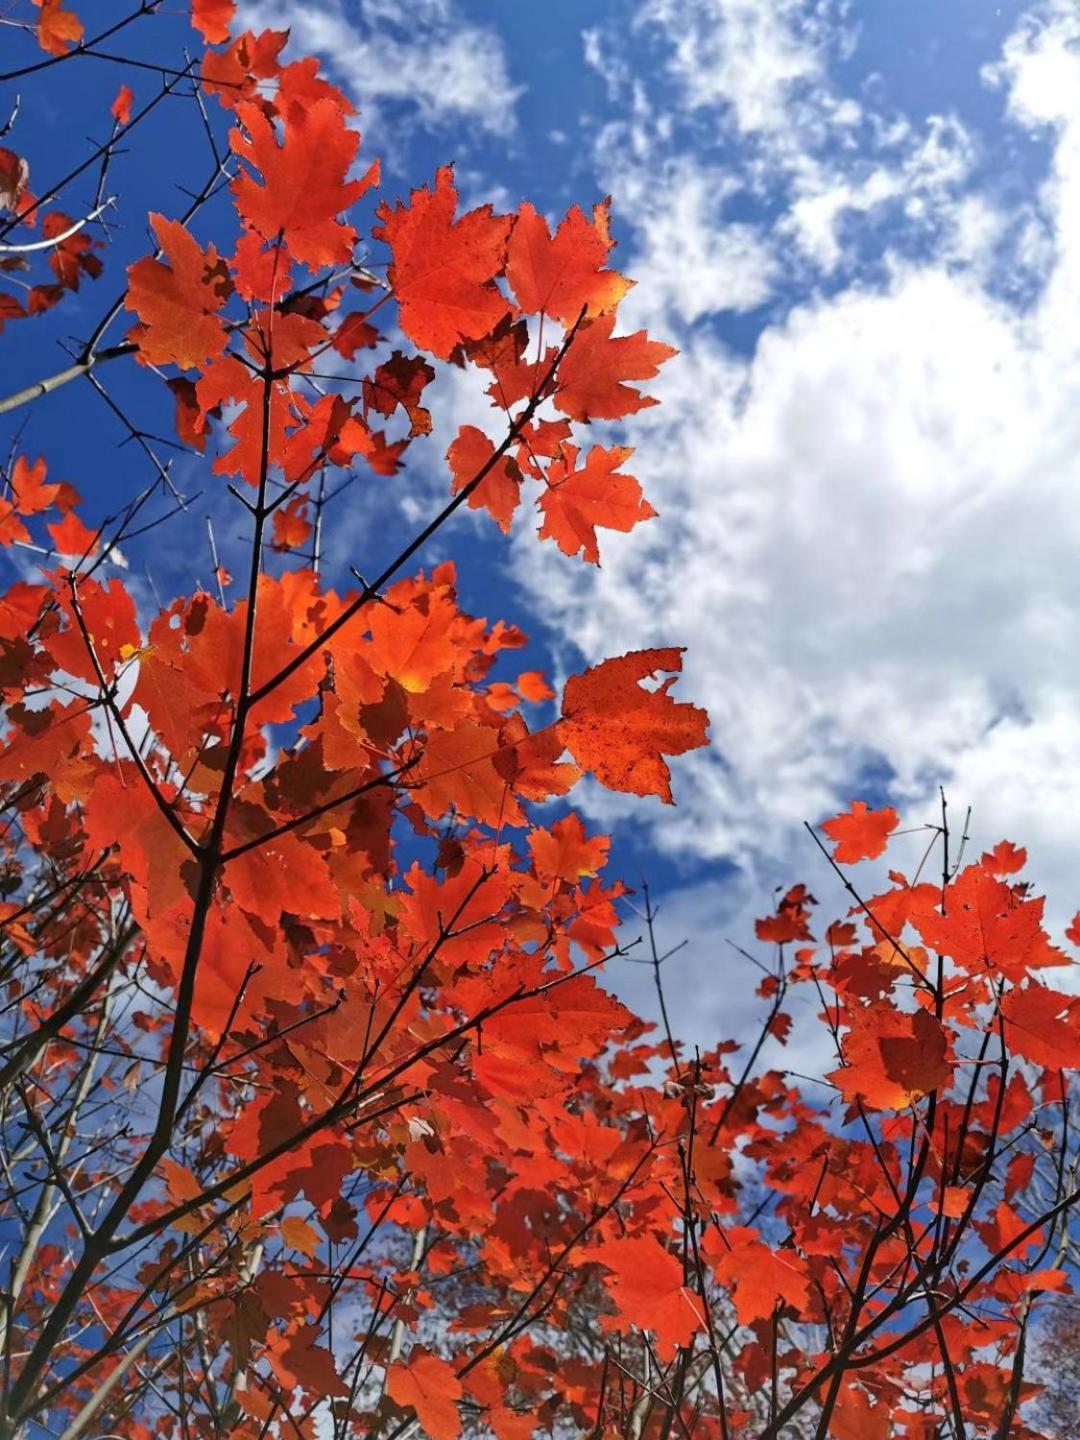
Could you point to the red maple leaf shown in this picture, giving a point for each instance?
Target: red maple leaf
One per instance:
(120, 109)
(645, 1284)
(429, 1386)
(562, 276)
(576, 501)
(761, 1278)
(303, 188)
(443, 270)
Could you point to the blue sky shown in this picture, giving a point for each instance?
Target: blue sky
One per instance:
(860, 222)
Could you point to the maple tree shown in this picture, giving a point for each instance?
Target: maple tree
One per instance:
(317, 1117)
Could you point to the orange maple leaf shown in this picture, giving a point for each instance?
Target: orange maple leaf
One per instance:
(892, 1058)
(70, 537)
(178, 303)
(987, 925)
(862, 834)
(531, 764)
(28, 484)
(58, 29)
(532, 686)
(292, 528)
(500, 489)
(299, 1235)
(591, 375)
(212, 19)
(459, 773)
(620, 732)
(1005, 858)
(1043, 1026)
(233, 75)
(180, 1183)
(565, 852)
(415, 643)
(645, 1284)
(791, 920)
(12, 530)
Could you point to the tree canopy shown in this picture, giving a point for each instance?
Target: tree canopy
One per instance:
(317, 1114)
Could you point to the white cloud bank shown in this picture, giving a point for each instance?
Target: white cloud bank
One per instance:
(870, 530)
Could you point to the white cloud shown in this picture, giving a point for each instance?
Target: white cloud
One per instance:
(696, 263)
(426, 56)
(601, 57)
(923, 183)
(868, 535)
(756, 57)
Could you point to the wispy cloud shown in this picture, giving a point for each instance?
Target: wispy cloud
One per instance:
(749, 102)
(424, 62)
(762, 62)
